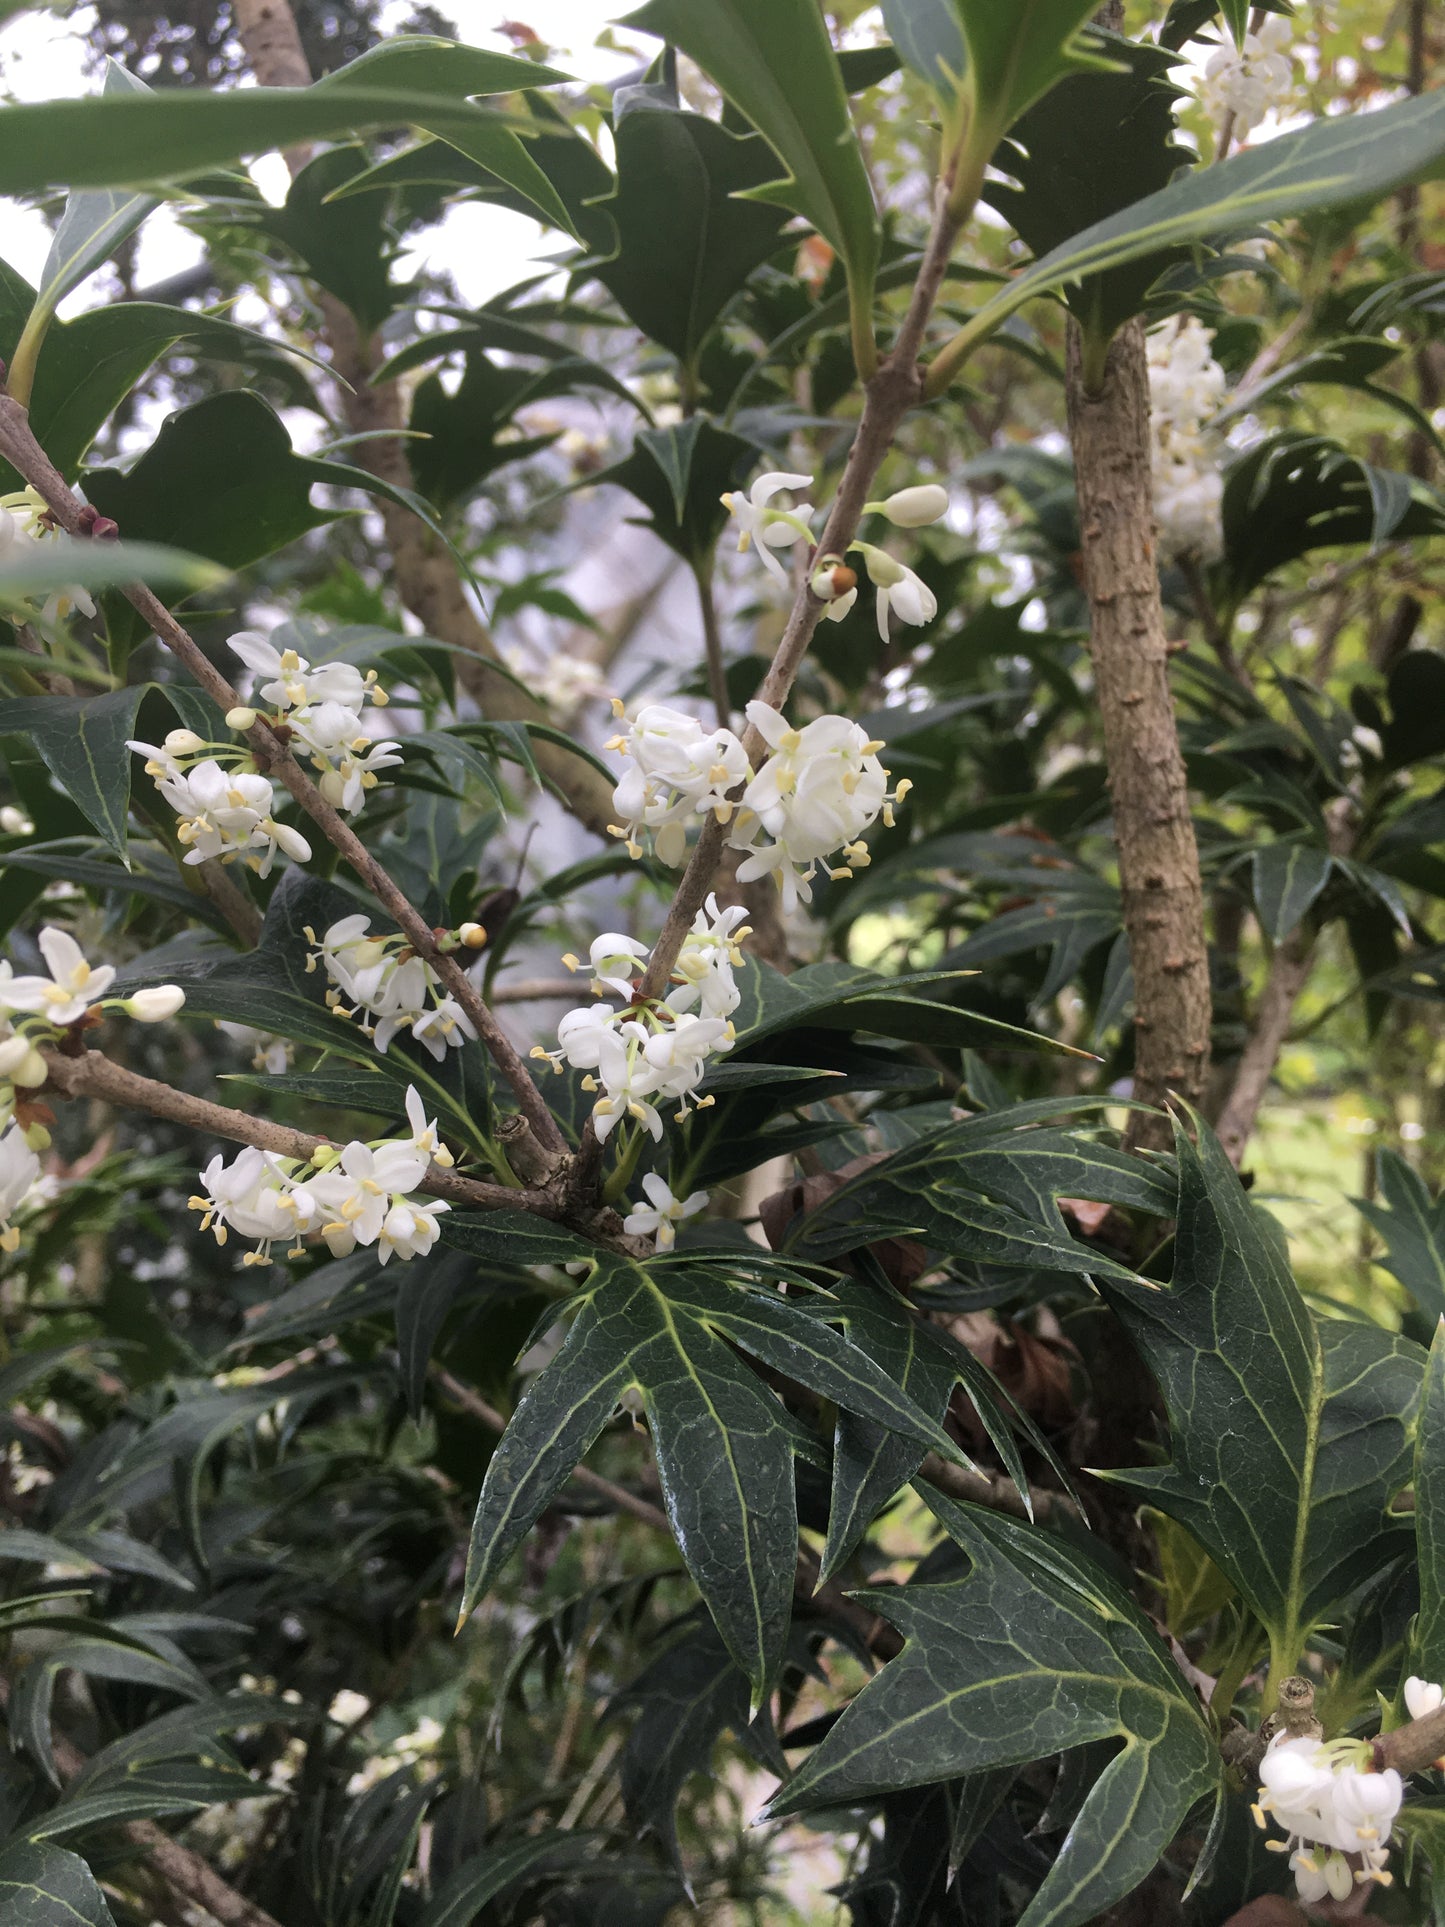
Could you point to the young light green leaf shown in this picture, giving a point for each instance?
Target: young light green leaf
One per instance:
(92, 227)
(1285, 1453)
(1035, 1652)
(775, 63)
(1287, 876)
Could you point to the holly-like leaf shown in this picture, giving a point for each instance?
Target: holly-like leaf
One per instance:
(678, 474)
(1288, 1437)
(45, 1886)
(1095, 143)
(986, 1190)
(1035, 1652)
(724, 1444)
(1413, 1227)
(686, 242)
(83, 741)
(1016, 55)
(1427, 1635)
(1287, 877)
(342, 245)
(1294, 493)
(774, 61)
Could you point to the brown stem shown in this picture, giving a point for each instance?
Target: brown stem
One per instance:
(25, 455)
(184, 1872)
(1154, 834)
(273, 45)
(717, 680)
(1288, 973)
(1414, 1746)
(232, 902)
(93, 1075)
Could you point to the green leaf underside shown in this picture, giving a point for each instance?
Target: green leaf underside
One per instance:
(774, 61)
(1331, 163)
(724, 1445)
(1289, 1438)
(1035, 1652)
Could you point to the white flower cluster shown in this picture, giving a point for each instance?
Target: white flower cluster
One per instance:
(37, 1010)
(643, 1050)
(389, 987)
(321, 707)
(819, 790)
(1331, 1804)
(565, 682)
(900, 590)
(269, 1052)
(1186, 386)
(25, 517)
(358, 1196)
(1251, 81)
(226, 807)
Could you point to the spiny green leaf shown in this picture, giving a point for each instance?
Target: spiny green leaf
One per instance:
(678, 474)
(1015, 55)
(43, 1886)
(1034, 1653)
(83, 742)
(686, 242)
(1413, 1228)
(1287, 877)
(1288, 1438)
(774, 61)
(724, 1445)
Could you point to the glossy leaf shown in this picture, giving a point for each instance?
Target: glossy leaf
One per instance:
(678, 474)
(1427, 1635)
(686, 242)
(44, 1886)
(1035, 1652)
(1285, 1450)
(1413, 1227)
(1287, 878)
(83, 741)
(1091, 146)
(1016, 55)
(122, 140)
(724, 1445)
(774, 61)
(458, 1900)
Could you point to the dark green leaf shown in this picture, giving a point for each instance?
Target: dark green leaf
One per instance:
(1413, 1229)
(83, 741)
(458, 1900)
(1287, 878)
(678, 474)
(1427, 1636)
(342, 245)
(43, 1886)
(1346, 363)
(1034, 1653)
(1286, 1448)
(1015, 56)
(685, 242)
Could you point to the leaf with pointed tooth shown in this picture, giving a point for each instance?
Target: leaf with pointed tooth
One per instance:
(1035, 1652)
(83, 741)
(44, 1886)
(775, 63)
(678, 474)
(1016, 55)
(1413, 1228)
(1287, 877)
(724, 1444)
(686, 241)
(1288, 1438)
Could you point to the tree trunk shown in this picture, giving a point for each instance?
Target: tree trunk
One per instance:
(1154, 835)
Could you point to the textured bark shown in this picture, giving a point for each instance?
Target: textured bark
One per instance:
(273, 46)
(1158, 857)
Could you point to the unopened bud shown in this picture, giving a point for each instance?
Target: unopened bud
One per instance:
(241, 717)
(324, 1156)
(37, 1137)
(184, 742)
(13, 1053)
(914, 508)
(472, 935)
(31, 1072)
(153, 1006)
(881, 566)
(833, 579)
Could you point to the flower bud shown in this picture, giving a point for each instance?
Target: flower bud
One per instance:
(833, 579)
(31, 1072)
(241, 717)
(37, 1137)
(184, 742)
(881, 566)
(472, 935)
(914, 508)
(153, 1006)
(13, 1053)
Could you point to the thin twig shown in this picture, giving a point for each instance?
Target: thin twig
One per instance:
(96, 1076)
(717, 678)
(24, 453)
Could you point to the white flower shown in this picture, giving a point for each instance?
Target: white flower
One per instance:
(270, 1053)
(224, 812)
(1422, 1696)
(1186, 387)
(393, 994)
(346, 757)
(410, 1229)
(703, 973)
(1252, 81)
(153, 1006)
(907, 595)
(913, 508)
(20, 1062)
(564, 681)
(294, 683)
(14, 822)
(820, 789)
(663, 1214)
(614, 960)
(68, 992)
(1330, 1803)
(579, 1033)
(19, 1170)
(678, 771)
(677, 1055)
(424, 1131)
(628, 1080)
(255, 1197)
(771, 528)
(347, 1708)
